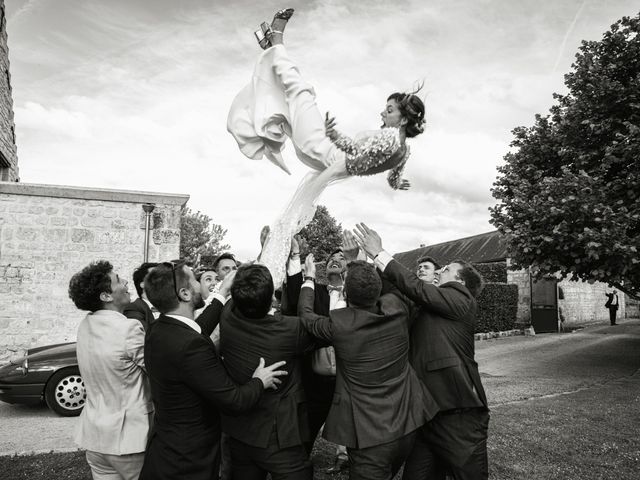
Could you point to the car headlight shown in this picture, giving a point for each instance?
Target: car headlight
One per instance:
(24, 366)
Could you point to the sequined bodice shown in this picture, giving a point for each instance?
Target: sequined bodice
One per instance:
(376, 152)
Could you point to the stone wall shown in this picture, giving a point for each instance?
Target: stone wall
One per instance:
(48, 233)
(522, 279)
(583, 302)
(8, 151)
(632, 307)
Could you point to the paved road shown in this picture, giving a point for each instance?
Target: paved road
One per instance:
(518, 368)
(513, 369)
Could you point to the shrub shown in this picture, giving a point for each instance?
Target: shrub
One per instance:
(495, 272)
(497, 308)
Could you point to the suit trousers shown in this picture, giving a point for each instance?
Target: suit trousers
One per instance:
(225, 457)
(380, 462)
(612, 315)
(254, 463)
(115, 467)
(456, 440)
(319, 391)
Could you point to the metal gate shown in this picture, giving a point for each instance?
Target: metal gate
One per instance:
(544, 305)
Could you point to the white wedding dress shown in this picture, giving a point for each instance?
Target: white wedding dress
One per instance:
(278, 104)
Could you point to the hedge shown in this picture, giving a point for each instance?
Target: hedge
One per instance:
(495, 272)
(497, 308)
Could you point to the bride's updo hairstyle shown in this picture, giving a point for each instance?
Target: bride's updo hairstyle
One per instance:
(411, 108)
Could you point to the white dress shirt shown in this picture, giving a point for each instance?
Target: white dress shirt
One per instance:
(187, 321)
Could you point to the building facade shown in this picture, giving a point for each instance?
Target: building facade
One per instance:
(581, 302)
(48, 233)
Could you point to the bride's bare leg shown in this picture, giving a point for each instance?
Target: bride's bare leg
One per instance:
(278, 25)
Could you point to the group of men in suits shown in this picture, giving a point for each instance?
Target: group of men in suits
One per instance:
(384, 359)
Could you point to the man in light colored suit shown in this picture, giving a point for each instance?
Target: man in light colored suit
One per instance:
(114, 424)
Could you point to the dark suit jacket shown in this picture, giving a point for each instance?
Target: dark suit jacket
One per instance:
(442, 341)
(292, 290)
(189, 387)
(275, 337)
(378, 397)
(140, 311)
(321, 300)
(610, 298)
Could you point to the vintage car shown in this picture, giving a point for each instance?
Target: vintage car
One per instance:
(47, 374)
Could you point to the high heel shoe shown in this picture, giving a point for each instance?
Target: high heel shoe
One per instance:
(263, 35)
(284, 14)
(278, 23)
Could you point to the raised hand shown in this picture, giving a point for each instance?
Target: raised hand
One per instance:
(264, 233)
(368, 239)
(350, 246)
(404, 185)
(269, 375)
(295, 247)
(329, 127)
(310, 266)
(225, 286)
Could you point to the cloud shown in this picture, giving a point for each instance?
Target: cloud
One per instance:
(135, 95)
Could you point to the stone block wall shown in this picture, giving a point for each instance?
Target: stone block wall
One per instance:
(8, 151)
(583, 302)
(632, 307)
(522, 279)
(48, 233)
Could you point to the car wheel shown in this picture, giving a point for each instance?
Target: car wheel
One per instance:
(65, 393)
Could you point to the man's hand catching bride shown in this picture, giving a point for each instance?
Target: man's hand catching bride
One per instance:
(269, 375)
(329, 127)
(368, 239)
(350, 247)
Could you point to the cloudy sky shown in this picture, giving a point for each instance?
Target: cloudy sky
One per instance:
(134, 94)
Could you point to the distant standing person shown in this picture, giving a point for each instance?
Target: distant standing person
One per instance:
(612, 304)
(114, 424)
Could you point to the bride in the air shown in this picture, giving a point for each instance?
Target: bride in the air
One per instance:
(278, 104)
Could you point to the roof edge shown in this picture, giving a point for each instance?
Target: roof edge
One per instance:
(89, 193)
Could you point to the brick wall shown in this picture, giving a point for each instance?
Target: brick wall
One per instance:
(8, 151)
(48, 233)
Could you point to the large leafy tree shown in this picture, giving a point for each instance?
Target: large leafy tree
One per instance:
(569, 191)
(322, 235)
(199, 236)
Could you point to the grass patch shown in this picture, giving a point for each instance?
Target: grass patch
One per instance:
(46, 466)
(584, 435)
(588, 434)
